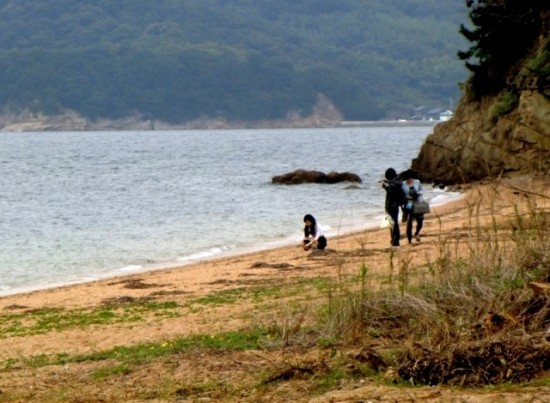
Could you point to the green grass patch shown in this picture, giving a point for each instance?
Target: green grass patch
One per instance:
(260, 294)
(41, 321)
(507, 101)
(329, 381)
(131, 355)
(106, 372)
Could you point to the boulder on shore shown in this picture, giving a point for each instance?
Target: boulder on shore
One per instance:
(305, 176)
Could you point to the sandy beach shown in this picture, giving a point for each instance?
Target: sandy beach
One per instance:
(199, 279)
(187, 284)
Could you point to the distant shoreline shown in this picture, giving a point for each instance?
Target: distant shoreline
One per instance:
(74, 122)
(389, 123)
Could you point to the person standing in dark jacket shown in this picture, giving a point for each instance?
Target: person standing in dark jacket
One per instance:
(395, 200)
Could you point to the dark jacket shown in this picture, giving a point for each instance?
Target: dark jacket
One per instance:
(395, 197)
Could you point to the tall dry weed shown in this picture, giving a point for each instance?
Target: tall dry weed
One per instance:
(484, 269)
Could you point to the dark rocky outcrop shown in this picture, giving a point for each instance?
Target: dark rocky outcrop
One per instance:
(305, 176)
(472, 146)
(504, 133)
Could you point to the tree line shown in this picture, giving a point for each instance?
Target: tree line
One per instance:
(177, 60)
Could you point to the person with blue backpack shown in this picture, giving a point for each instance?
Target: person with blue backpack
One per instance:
(413, 191)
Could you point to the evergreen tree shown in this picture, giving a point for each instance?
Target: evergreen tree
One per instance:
(504, 31)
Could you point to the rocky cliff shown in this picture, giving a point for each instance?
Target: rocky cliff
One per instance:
(475, 145)
(500, 134)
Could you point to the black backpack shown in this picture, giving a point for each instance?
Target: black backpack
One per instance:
(395, 192)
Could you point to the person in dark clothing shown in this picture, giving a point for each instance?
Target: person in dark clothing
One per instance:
(395, 200)
(313, 236)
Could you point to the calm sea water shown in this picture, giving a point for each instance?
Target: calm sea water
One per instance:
(79, 206)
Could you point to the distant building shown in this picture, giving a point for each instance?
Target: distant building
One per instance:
(424, 113)
(435, 113)
(445, 115)
(420, 113)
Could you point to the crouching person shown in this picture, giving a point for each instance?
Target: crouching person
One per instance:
(313, 236)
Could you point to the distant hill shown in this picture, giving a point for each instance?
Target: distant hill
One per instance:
(239, 60)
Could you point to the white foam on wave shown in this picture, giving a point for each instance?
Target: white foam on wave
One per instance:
(6, 290)
(203, 254)
(4, 287)
(444, 197)
(326, 229)
(132, 267)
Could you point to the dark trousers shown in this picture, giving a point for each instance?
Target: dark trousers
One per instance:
(419, 218)
(321, 242)
(394, 229)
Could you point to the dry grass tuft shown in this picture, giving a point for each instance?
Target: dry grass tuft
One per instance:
(482, 316)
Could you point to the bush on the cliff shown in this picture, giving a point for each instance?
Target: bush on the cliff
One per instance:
(507, 101)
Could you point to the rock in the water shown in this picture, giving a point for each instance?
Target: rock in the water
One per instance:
(304, 176)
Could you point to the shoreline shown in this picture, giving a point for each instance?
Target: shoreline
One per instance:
(228, 256)
(92, 217)
(185, 285)
(72, 122)
(274, 245)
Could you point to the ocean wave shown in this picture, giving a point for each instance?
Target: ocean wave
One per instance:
(208, 253)
(132, 267)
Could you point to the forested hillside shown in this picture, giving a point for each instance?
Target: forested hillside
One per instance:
(178, 60)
